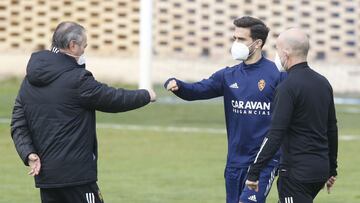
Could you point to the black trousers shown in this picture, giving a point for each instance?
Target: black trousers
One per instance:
(293, 191)
(88, 193)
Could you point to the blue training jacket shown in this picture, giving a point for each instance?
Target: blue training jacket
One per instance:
(248, 92)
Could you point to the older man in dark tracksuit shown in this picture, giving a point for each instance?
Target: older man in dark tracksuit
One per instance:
(53, 122)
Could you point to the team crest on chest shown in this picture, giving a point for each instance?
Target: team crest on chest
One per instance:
(261, 84)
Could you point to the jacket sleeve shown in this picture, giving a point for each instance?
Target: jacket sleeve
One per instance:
(99, 96)
(284, 105)
(332, 133)
(20, 132)
(204, 89)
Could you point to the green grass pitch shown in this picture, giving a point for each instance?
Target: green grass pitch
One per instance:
(160, 165)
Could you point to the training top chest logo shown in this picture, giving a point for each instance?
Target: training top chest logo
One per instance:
(234, 86)
(261, 84)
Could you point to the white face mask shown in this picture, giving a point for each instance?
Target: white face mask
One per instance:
(81, 60)
(240, 51)
(278, 63)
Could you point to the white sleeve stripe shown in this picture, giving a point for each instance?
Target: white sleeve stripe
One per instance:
(261, 148)
(55, 50)
(90, 197)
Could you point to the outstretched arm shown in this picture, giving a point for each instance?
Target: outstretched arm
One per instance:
(204, 89)
(99, 96)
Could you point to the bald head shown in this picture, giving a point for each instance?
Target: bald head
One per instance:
(295, 42)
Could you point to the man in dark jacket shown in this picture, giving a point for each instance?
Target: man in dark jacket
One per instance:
(303, 124)
(53, 122)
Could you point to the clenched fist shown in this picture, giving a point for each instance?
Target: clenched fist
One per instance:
(172, 86)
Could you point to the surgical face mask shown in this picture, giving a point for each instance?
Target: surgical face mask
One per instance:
(280, 65)
(240, 51)
(81, 60)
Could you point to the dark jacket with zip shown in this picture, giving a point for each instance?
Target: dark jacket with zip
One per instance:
(54, 117)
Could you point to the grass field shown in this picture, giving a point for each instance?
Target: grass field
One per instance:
(155, 164)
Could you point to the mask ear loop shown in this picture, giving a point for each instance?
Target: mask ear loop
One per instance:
(253, 50)
(71, 55)
(286, 52)
(285, 68)
(75, 56)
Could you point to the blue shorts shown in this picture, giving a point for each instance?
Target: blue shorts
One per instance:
(236, 191)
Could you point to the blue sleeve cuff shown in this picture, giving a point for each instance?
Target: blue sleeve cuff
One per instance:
(168, 80)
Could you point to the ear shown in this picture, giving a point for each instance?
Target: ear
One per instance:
(72, 45)
(287, 52)
(259, 44)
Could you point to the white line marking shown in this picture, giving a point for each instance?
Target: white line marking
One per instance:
(5, 121)
(161, 128)
(339, 100)
(349, 137)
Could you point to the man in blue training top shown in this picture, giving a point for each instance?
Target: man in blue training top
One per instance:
(248, 90)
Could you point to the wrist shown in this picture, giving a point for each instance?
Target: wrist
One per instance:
(27, 158)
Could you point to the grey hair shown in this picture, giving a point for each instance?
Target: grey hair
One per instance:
(66, 32)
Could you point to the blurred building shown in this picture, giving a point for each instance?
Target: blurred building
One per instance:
(183, 28)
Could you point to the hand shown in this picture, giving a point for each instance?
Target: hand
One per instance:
(172, 86)
(252, 185)
(152, 95)
(35, 164)
(330, 183)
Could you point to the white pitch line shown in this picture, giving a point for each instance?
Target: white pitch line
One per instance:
(5, 121)
(160, 128)
(174, 129)
(349, 137)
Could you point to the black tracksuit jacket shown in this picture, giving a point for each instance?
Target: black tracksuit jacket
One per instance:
(54, 117)
(304, 125)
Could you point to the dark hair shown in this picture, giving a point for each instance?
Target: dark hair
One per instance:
(258, 29)
(65, 32)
